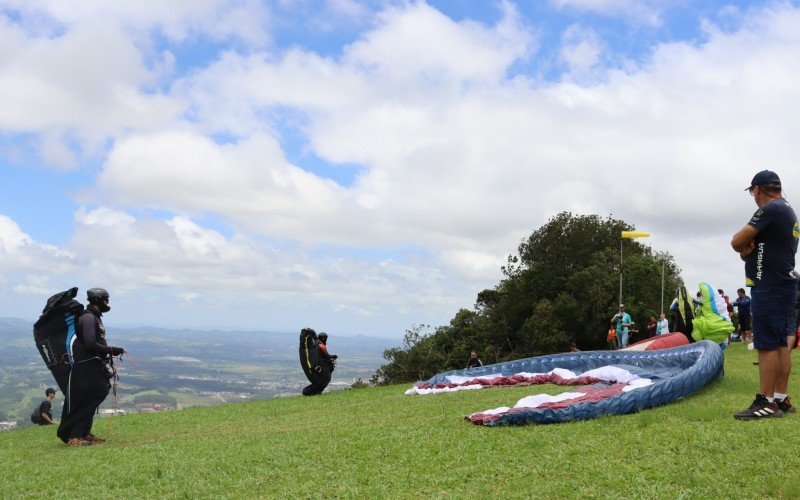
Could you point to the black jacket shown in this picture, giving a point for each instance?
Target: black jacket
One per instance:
(92, 337)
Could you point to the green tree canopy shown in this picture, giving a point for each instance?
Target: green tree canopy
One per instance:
(561, 287)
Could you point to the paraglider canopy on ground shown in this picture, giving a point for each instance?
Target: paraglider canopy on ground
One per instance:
(610, 382)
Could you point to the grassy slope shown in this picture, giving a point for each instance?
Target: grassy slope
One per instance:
(380, 443)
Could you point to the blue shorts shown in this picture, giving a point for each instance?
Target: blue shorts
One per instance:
(771, 306)
(794, 322)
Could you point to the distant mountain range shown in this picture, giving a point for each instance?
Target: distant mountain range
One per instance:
(165, 368)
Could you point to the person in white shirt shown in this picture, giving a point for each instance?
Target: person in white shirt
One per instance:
(662, 326)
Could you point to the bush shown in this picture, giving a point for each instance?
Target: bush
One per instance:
(360, 384)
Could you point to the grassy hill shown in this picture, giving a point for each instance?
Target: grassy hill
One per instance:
(377, 442)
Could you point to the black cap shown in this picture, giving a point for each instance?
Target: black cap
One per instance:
(767, 179)
(49, 390)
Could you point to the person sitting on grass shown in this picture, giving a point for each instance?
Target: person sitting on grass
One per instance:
(43, 414)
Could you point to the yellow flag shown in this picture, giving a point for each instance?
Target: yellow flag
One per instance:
(635, 234)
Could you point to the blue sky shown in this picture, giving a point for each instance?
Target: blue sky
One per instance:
(361, 166)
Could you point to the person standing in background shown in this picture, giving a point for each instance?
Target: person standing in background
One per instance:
(622, 320)
(611, 337)
(651, 327)
(662, 326)
(742, 304)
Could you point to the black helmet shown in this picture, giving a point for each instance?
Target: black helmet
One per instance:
(98, 297)
(323, 337)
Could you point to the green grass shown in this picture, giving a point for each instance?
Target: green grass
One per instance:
(378, 443)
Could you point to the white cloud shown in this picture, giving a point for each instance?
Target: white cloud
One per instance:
(581, 52)
(35, 285)
(246, 20)
(249, 181)
(79, 73)
(466, 169)
(154, 269)
(648, 12)
(24, 258)
(457, 158)
(418, 42)
(85, 85)
(12, 239)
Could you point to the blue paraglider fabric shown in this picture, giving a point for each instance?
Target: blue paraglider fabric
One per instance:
(669, 375)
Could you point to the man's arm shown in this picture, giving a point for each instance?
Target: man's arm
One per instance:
(744, 241)
(46, 418)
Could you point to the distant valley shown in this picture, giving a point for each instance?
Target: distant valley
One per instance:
(166, 369)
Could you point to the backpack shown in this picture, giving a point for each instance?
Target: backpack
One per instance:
(309, 354)
(685, 314)
(54, 332)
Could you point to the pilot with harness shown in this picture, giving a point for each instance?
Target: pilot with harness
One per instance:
(92, 369)
(317, 363)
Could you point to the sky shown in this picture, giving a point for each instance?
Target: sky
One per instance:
(361, 167)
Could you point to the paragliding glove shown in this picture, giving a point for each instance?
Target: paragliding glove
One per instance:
(334, 356)
(117, 351)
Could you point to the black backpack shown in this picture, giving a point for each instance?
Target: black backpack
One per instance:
(309, 354)
(55, 329)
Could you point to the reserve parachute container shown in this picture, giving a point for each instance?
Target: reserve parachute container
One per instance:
(55, 330)
(309, 354)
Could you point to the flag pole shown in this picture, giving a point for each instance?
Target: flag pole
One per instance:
(620, 270)
(663, 265)
(631, 235)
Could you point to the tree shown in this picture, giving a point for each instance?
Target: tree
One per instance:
(561, 287)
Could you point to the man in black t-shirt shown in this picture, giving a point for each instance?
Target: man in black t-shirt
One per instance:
(768, 244)
(742, 304)
(44, 412)
(474, 360)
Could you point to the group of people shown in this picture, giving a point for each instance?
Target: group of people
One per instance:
(622, 328)
(92, 370)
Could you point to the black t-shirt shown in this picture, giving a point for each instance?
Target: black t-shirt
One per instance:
(46, 408)
(772, 261)
(474, 362)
